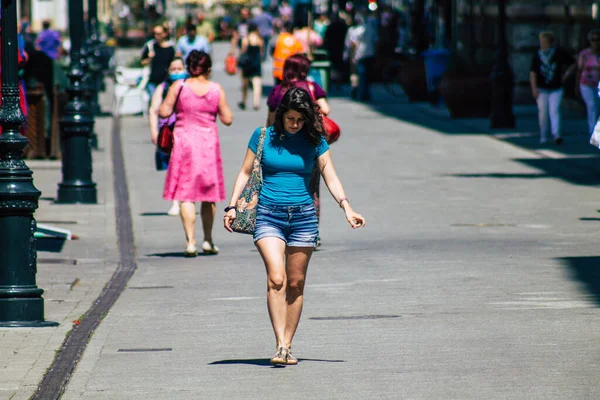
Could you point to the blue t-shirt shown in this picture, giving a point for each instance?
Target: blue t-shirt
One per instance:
(286, 167)
(184, 45)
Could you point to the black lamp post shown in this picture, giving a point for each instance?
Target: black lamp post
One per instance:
(77, 123)
(21, 302)
(502, 79)
(94, 55)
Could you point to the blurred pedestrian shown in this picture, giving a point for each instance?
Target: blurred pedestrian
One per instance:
(195, 171)
(333, 42)
(205, 28)
(161, 159)
(251, 55)
(191, 41)
(264, 22)
(241, 30)
(286, 222)
(48, 41)
(550, 68)
(158, 54)
(361, 43)
(588, 76)
(286, 45)
(295, 74)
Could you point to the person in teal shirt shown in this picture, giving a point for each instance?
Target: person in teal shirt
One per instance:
(286, 221)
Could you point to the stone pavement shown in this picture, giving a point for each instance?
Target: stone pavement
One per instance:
(72, 278)
(475, 278)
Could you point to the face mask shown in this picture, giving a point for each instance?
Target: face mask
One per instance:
(177, 75)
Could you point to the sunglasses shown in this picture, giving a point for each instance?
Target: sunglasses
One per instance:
(595, 39)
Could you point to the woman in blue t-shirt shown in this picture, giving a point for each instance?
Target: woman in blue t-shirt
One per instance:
(286, 222)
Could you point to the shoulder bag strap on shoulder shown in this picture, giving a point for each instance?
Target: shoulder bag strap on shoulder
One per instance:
(261, 143)
(179, 93)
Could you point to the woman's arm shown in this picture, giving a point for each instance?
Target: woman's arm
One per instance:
(580, 62)
(238, 187)
(167, 107)
(225, 114)
(262, 48)
(337, 190)
(533, 84)
(322, 102)
(153, 112)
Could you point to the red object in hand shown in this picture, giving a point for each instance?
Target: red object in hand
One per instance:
(230, 64)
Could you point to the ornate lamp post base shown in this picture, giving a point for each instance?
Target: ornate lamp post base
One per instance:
(21, 302)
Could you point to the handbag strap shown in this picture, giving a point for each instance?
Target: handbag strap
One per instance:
(261, 143)
(311, 91)
(178, 94)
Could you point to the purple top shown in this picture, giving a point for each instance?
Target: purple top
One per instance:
(276, 94)
(49, 41)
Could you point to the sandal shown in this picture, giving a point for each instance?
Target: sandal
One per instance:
(190, 250)
(209, 248)
(280, 357)
(290, 359)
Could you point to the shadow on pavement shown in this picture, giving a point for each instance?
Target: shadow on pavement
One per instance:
(589, 219)
(157, 214)
(266, 362)
(579, 171)
(586, 270)
(178, 255)
(500, 175)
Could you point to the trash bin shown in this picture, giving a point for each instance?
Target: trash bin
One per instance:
(320, 69)
(436, 64)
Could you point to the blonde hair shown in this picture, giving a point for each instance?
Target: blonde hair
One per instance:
(547, 35)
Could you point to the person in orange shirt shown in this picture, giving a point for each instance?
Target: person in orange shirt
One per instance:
(287, 45)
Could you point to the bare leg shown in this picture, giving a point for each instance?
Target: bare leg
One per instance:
(272, 251)
(245, 83)
(256, 91)
(188, 218)
(207, 213)
(296, 266)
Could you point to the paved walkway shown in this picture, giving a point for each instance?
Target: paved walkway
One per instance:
(475, 278)
(72, 278)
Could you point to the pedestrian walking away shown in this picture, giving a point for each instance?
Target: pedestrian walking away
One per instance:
(550, 68)
(195, 171)
(253, 47)
(588, 76)
(286, 222)
(161, 159)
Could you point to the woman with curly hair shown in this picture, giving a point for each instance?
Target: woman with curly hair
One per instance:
(295, 73)
(286, 222)
(195, 172)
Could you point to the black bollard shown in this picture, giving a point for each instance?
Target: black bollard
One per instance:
(77, 123)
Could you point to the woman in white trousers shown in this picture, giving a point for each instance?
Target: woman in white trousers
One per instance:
(550, 67)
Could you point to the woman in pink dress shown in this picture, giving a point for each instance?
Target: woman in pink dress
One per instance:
(195, 172)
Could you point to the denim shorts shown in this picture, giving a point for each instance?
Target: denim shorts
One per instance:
(297, 226)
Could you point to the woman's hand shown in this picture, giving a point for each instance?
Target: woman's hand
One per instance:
(154, 137)
(355, 219)
(228, 219)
